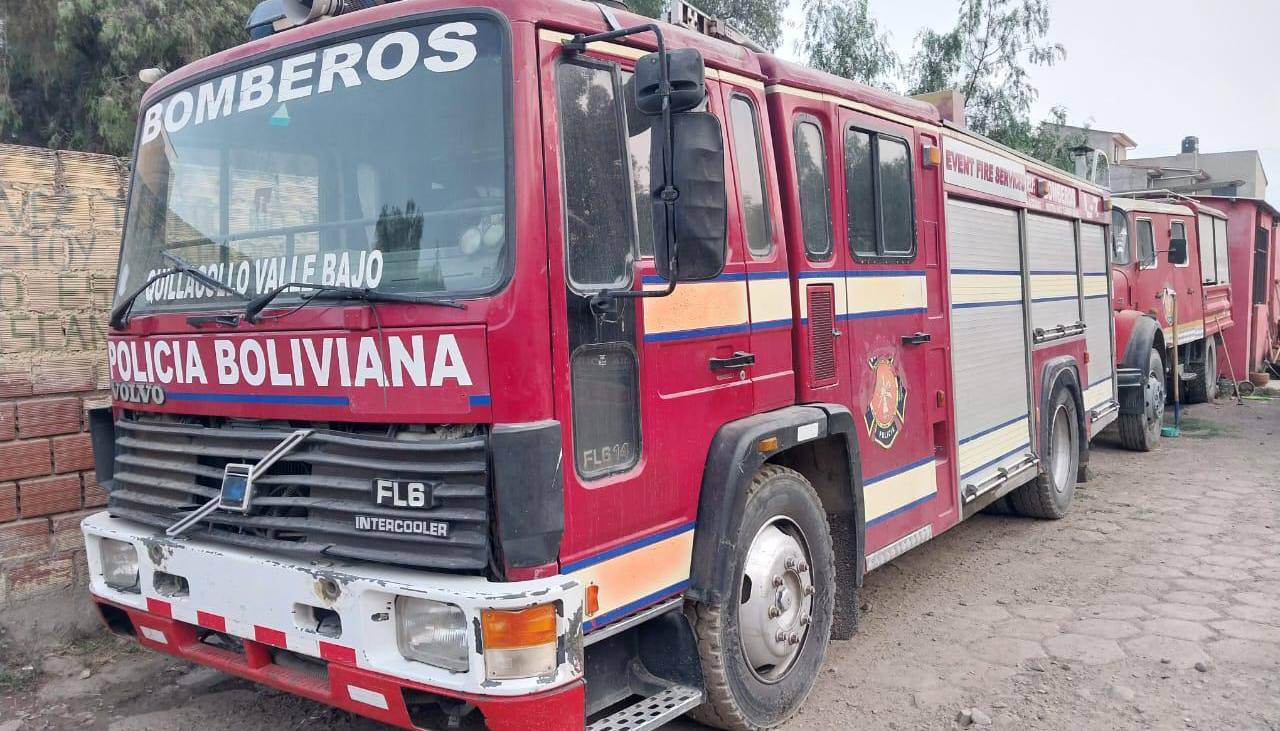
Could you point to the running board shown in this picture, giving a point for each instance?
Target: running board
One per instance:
(1003, 476)
(652, 712)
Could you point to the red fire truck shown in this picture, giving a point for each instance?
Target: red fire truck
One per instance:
(1250, 263)
(1166, 265)
(533, 365)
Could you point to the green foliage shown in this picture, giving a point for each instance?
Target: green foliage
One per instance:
(841, 38)
(761, 20)
(69, 68)
(651, 8)
(985, 57)
(1053, 144)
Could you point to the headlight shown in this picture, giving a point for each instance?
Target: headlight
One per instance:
(119, 564)
(519, 644)
(432, 632)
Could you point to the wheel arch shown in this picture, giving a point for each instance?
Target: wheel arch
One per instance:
(828, 459)
(1144, 335)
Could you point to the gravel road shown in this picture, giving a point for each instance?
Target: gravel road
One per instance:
(1154, 605)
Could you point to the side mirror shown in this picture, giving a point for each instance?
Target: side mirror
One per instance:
(686, 74)
(1177, 250)
(699, 217)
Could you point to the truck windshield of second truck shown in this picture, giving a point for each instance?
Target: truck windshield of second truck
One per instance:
(378, 161)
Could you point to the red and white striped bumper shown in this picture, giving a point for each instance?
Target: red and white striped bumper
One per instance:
(260, 600)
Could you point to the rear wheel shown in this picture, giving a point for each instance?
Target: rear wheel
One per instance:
(1049, 495)
(1142, 414)
(762, 646)
(1204, 387)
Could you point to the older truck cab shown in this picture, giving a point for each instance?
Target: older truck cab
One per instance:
(1169, 266)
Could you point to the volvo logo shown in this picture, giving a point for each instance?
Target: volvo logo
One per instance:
(137, 393)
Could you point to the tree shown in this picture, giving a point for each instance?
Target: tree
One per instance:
(761, 20)
(70, 67)
(841, 37)
(651, 8)
(1053, 144)
(985, 57)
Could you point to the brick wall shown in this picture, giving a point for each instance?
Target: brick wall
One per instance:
(60, 218)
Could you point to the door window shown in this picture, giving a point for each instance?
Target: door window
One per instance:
(811, 180)
(599, 152)
(1178, 230)
(879, 198)
(751, 184)
(600, 231)
(1146, 244)
(1119, 237)
(1220, 249)
(1208, 265)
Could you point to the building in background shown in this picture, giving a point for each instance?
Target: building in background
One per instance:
(1236, 174)
(1115, 144)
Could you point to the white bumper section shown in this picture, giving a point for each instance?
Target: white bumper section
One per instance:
(250, 593)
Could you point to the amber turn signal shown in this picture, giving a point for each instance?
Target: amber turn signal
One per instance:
(508, 630)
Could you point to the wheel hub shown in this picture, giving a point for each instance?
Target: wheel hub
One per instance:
(776, 605)
(1062, 449)
(1153, 399)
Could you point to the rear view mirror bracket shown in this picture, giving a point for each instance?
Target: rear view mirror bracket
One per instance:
(658, 101)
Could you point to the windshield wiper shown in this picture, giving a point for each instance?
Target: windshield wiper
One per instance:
(256, 305)
(120, 314)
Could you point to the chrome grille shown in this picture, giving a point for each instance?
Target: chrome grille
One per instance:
(307, 503)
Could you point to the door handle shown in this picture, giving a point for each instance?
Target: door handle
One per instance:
(916, 338)
(739, 359)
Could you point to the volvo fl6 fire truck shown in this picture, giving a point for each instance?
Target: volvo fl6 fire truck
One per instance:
(536, 366)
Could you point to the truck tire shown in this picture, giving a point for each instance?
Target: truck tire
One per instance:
(1049, 495)
(1205, 386)
(1142, 412)
(762, 646)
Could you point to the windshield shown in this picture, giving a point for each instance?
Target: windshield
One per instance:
(377, 161)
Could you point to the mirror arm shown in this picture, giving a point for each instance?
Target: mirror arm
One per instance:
(601, 302)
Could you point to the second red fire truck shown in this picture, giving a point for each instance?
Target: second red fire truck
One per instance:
(1169, 268)
(530, 365)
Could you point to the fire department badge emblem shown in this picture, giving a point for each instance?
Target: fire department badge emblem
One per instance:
(887, 410)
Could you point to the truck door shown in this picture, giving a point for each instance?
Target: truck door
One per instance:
(640, 390)
(768, 287)
(889, 332)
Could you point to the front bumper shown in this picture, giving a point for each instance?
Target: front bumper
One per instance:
(266, 604)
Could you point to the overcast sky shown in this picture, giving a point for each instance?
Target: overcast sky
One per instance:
(1157, 70)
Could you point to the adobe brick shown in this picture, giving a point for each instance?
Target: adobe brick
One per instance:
(15, 380)
(40, 577)
(57, 291)
(28, 332)
(72, 453)
(66, 375)
(66, 535)
(48, 416)
(26, 458)
(8, 426)
(59, 494)
(95, 495)
(24, 538)
(8, 501)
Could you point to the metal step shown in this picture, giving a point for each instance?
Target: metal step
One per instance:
(652, 712)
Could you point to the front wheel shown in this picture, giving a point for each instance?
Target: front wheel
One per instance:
(1143, 408)
(762, 646)
(1049, 495)
(1204, 387)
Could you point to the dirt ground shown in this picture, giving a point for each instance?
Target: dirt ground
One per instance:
(1154, 605)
